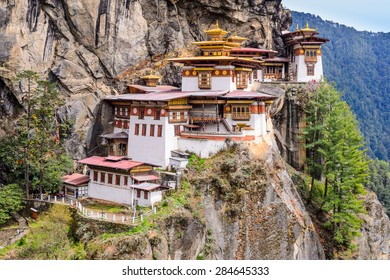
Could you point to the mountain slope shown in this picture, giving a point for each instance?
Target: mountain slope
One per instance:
(359, 63)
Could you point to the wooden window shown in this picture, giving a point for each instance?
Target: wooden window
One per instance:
(177, 130)
(120, 111)
(255, 77)
(241, 112)
(146, 196)
(159, 131)
(141, 114)
(136, 131)
(126, 112)
(204, 79)
(242, 79)
(117, 180)
(138, 194)
(116, 110)
(157, 114)
(144, 130)
(102, 177)
(152, 130)
(109, 178)
(95, 176)
(310, 70)
(125, 180)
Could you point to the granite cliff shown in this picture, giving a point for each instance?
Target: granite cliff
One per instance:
(84, 45)
(88, 47)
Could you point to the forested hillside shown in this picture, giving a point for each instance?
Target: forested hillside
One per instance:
(359, 63)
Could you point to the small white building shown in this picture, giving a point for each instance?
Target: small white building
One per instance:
(123, 181)
(75, 185)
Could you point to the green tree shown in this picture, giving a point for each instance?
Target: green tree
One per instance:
(335, 155)
(11, 200)
(34, 144)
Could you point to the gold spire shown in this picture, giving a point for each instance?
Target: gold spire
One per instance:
(217, 24)
(307, 24)
(307, 28)
(297, 27)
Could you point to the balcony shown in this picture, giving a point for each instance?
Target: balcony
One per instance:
(204, 118)
(245, 116)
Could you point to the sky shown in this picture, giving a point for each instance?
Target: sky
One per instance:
(372, 15)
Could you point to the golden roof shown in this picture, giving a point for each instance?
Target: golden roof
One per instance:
(216, 31)
(236, 38)
(307, 28)
(150, 77)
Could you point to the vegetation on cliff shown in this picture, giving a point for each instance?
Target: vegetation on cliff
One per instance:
(336, 157)
(31, 154)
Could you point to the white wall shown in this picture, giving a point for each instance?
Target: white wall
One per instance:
(202, 147)
(146, 148)
(302, 69)
(122, 195)
(153, 197)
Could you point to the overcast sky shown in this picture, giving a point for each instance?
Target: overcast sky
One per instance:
(373, 15)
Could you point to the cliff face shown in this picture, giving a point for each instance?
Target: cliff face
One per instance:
(84, 45)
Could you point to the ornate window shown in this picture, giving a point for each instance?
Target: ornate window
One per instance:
(204, 79)
(110, 178)
(144, 130)
(242, 79)
(146, 195)
(241, 112)
(117, 180)
(102, 177)
(136, 130)
(310, 70)
(125, 180)
(159, 131)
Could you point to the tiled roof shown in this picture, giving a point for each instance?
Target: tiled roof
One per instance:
(76, 179)
(143, 178)
(146, 186)
(164, 96)
(123, 164)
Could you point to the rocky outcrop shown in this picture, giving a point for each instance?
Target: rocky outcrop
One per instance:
(254, 211)
(83, 45)
(374, 242)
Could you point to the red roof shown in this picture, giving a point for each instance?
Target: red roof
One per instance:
(248, 94)
(123, 164)
(147, 186)
(143, 178)
(76, 179)
(164, 96)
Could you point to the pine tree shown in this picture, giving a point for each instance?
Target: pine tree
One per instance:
(335, 156)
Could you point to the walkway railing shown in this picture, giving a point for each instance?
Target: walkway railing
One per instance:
(119, 218)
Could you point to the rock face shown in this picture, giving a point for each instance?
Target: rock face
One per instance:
(83, 45)
(266, 219)
(374, 242)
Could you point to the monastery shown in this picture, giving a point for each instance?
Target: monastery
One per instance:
(158, 125)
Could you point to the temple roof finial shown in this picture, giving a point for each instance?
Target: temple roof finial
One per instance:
(307, 24)
(217, 24)
(297, 27)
